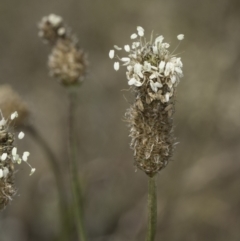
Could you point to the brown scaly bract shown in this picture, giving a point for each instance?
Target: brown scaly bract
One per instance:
(67, 62)
(153, 74)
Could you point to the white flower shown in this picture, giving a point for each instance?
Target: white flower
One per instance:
(14, 115)
(155, 49)
(167, 97)
(140, 31)
(133, 36)
(127, 48)
(117, 48)
(61, 31)
(21, 135)
(125, 59)
(138, 70)
(146, 66)
(173, 79)
(16, 158)
(135, 45)
(111, 54)
(54, 19)
(5, 172)
(1, 173)
(159, 39)
(3, 121)
(25, 156)
(165, 45)
(116, 66)
(161, 66)
(134, 82)
(155, 86)
(180, 37)
(32, 171)
(129, 68)
(4, 156)
(169, 68)
(14, 151)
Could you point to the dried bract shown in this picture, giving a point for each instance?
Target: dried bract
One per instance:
(153, 74)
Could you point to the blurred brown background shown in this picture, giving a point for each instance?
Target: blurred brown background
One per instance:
(198, 193)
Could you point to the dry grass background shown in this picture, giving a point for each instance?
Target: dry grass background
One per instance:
(198, 193)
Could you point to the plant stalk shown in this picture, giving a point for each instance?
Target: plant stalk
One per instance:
(73, 168)
(152, 209)
(55, 166)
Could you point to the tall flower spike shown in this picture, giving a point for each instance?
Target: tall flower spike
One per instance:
(9, 157)
(67, 62)
(153, 74)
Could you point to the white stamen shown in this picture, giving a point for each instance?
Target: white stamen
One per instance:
(116, 66)
(127, 48)
(54, 19)
(32, 171)
(14, 115)
(1, 173)
(167, 97)
(159, 39)
(4, 156)
(5, 172)
(21, 135)
(14, 151)
(133, 36)
(140, 31)
(25, 156)
(117, 48)
(111, 54)
(180, 37)
(61, 31)
(161, 66)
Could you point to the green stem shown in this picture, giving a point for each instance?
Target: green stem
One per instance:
(75, 183)
(152, 209)
(55, 166)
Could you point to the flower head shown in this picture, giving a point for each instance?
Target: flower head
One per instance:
(153, 73)
(150, 65)
(67, 62)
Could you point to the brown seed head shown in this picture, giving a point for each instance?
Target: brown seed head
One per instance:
(67, 62)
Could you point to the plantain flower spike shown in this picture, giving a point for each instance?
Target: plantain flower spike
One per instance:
(67, 62)
(153, 74)
(9, 157)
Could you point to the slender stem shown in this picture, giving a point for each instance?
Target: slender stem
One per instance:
(152, 209)
(75, 183)
(55, 166)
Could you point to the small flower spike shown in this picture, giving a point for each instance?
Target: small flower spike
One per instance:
(9, 157)
(153, 74)
(67, 62)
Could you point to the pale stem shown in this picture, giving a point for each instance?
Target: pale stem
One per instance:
(55, 166)
(73, 167)
(152, 209)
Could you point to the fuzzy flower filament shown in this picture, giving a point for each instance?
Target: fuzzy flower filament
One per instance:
(153, 74)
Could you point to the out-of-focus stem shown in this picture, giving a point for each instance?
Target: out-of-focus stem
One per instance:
(75, 183)
(55, 166)
(152, 209)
